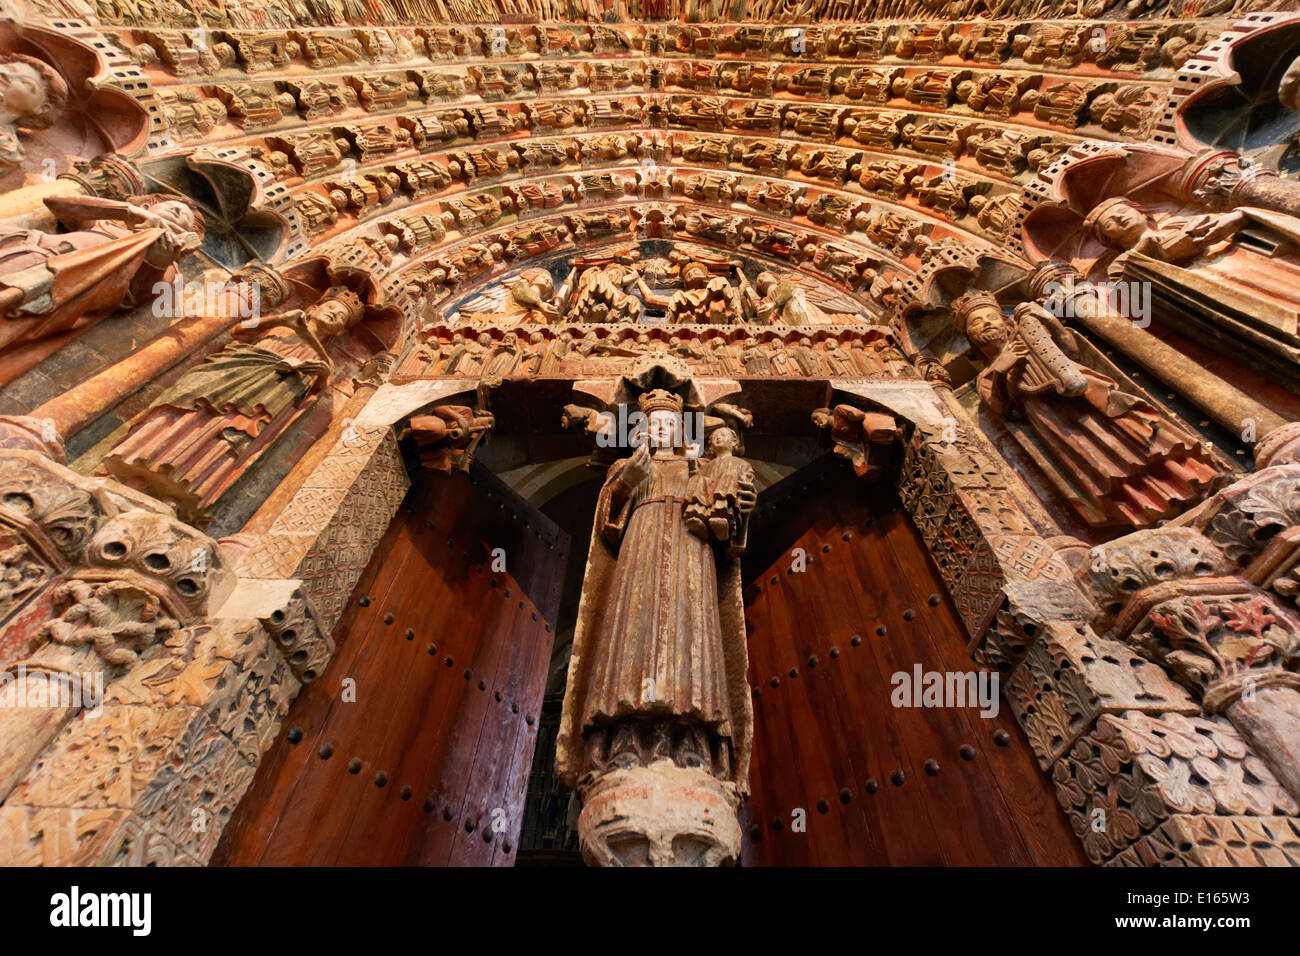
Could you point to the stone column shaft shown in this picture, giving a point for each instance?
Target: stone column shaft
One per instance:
(1219, 399)
(1271, 725)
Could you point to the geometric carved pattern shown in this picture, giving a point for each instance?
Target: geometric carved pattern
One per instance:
(1217, 841)
(1070, 676)
(979, 537)
(327, 533)
(1135, 770)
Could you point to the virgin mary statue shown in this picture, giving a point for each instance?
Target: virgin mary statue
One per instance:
(655, 733)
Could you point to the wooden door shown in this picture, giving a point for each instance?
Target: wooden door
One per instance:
(878, 784)
(428, 766)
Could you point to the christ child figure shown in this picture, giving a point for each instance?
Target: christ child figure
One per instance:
(711, 510)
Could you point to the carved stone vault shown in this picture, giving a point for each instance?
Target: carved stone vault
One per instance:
(263, 265)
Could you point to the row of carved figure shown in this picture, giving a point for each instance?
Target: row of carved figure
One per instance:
(933, 187)
(936, 184)
(568, 352)
(1111, 108)
(265, 14)
(890, 229)
(691, 285)
(1029, 97)
(1115, 47)
(460, 266)
(1032, 372)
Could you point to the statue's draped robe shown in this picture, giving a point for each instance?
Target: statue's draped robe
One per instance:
(657, 605)
(200, 434)
(1118, 457)
(661, 620)
(69, 282)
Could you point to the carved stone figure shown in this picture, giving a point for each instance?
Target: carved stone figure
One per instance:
(55, 285)
(716, 490)
(531, 298)
(602, 295)
(197, 437)
(31, 94)
(1129, 464)
(645, 728)
(1252, 282)
(1130, 111)
(190, 114)
(862, 438)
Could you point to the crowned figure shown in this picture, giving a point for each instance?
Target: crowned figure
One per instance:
(657, 712)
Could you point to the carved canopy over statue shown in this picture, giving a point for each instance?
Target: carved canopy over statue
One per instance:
(657, 704)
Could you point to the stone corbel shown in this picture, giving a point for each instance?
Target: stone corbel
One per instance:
(866, 439)
(448, 435)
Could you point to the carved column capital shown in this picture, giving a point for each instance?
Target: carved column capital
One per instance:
(1219, 645)
(1125, 570)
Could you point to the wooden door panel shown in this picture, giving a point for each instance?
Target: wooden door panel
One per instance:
(827, 738)
(449, 660)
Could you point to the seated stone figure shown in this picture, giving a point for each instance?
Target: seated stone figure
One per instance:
(603, 295)
(704, 298)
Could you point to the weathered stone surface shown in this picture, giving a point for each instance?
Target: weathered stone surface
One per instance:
(184, 789)
(1217, 841)
(1134, 770)
(1069, 677)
